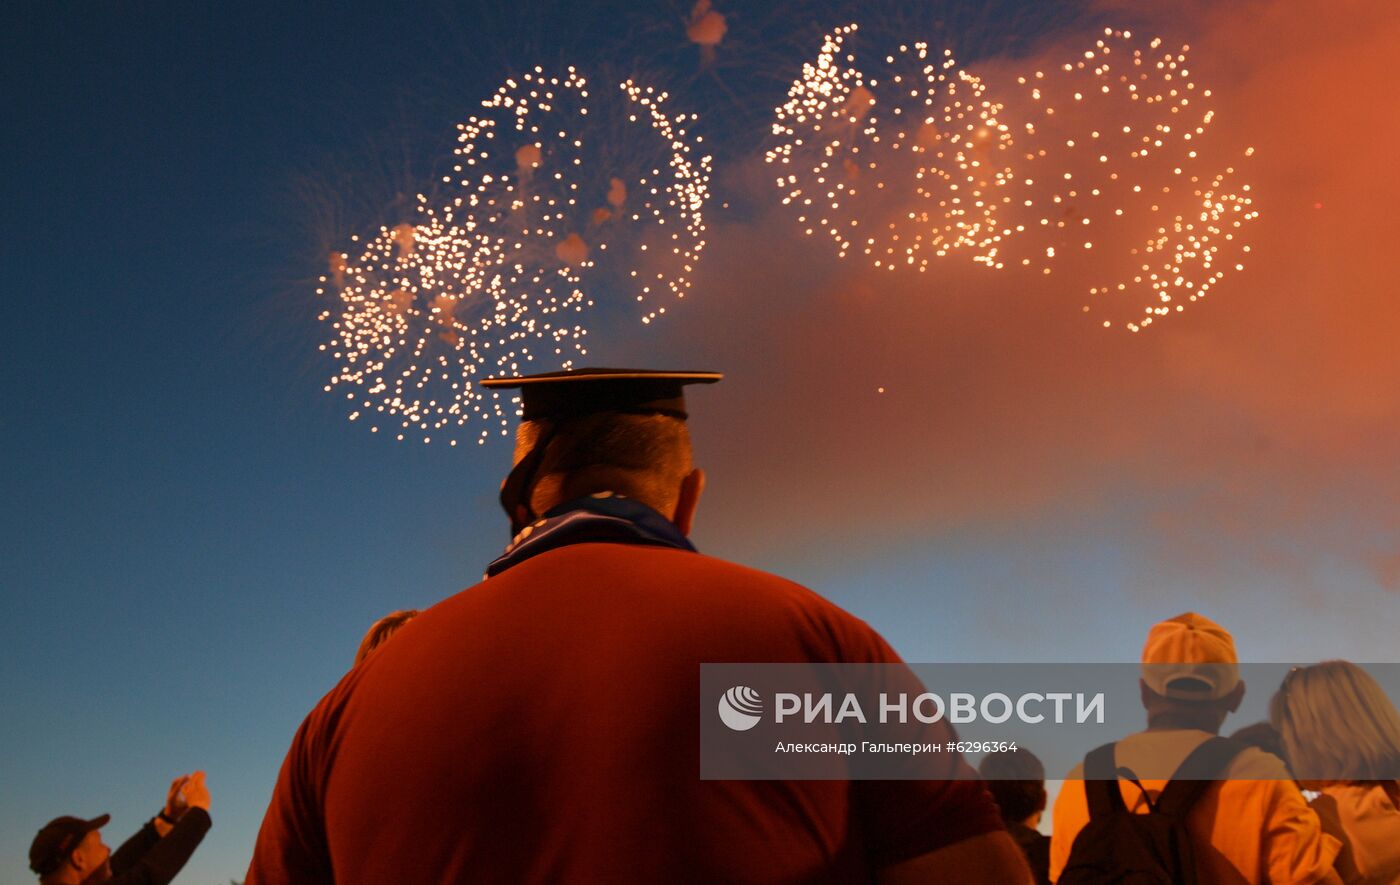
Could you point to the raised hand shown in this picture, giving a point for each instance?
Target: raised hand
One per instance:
(195, 792)
(175, 804)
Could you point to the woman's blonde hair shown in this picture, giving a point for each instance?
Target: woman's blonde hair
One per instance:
(1337, 724)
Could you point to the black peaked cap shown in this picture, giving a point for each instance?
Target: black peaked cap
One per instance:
(574, 393)
(577, 392)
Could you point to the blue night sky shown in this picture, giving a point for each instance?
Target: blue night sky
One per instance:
(193, 538)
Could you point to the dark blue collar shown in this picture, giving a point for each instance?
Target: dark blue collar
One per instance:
(601, 518)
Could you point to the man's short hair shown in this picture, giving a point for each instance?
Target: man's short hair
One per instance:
(1016, 781)
(381, 630)
(642, 456)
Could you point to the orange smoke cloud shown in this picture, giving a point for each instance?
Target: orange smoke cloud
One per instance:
(527, 159)
(617, 192)
(336, 265)
(405, 238)
(858, 104)
(572, 249)
(1266, 416)
(706, 27)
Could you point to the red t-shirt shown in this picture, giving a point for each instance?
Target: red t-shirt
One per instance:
(542, 726)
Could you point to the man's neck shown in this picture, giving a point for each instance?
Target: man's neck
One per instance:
(553, 502)
(68, 876)
(1171, 721)
(99, 875)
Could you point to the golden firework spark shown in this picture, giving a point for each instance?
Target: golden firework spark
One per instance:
(553, 195)
(1105, 156)
(902, 167)
(1119, 155)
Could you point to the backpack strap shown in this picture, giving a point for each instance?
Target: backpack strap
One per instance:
(1203, 767)
(1101, 784)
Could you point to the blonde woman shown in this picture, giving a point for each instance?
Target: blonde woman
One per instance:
(1341, 735)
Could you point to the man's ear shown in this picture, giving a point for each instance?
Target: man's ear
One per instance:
(1235, 697)
(689, 498)
(78, 860)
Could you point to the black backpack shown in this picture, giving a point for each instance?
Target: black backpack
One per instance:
(1118, 847)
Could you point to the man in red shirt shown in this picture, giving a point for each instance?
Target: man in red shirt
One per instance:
(543, 725)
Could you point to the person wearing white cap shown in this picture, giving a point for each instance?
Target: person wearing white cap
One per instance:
(1252, 823)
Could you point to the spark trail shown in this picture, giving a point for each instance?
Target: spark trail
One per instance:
(556, 198)
(1101, 167)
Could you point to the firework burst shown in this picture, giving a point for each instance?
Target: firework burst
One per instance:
(556, 199)
(1102, 165)
(900, 166)
(1121, 180)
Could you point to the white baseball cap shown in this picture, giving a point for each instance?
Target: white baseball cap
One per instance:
(1190, 657)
